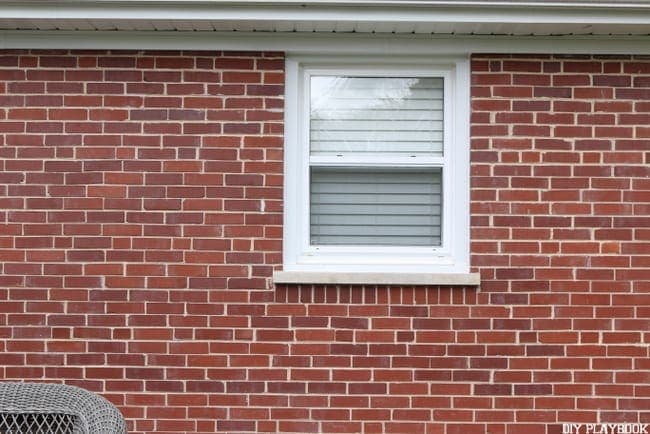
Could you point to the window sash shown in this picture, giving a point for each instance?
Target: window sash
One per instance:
(357, 121)
(376, 206)
(376, 114)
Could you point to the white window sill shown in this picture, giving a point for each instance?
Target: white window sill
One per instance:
(373, 278)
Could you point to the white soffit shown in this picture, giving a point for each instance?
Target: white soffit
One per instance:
(448, 17)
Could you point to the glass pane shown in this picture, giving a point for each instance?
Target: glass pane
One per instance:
(396, 207)
(396, 115)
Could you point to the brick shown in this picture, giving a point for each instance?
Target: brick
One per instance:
(522, 66)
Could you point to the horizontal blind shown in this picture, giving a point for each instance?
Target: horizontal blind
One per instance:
(364, 206)
(393, 115)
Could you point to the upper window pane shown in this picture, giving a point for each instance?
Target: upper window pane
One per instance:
(397, 115)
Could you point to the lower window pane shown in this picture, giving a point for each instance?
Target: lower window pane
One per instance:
(376, 206)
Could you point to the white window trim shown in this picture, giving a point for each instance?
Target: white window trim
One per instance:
(452, 258)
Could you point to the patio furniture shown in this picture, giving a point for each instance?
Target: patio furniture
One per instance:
(42, 408)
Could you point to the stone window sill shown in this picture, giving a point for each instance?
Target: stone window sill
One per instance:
(373, 278)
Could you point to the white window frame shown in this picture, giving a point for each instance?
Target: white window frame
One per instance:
(452, 256)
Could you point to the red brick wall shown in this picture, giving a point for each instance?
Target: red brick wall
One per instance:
(561, 235)
(141, 218)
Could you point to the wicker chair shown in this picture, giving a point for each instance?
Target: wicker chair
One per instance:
(41, 408)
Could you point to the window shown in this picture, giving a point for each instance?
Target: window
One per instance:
(376, 166)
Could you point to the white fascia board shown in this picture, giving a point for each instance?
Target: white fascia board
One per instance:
(503, 12)
(318, 44)
(354, 3)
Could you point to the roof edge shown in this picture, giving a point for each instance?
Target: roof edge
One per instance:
(356, 3)
(614, 17)
(302, 4)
